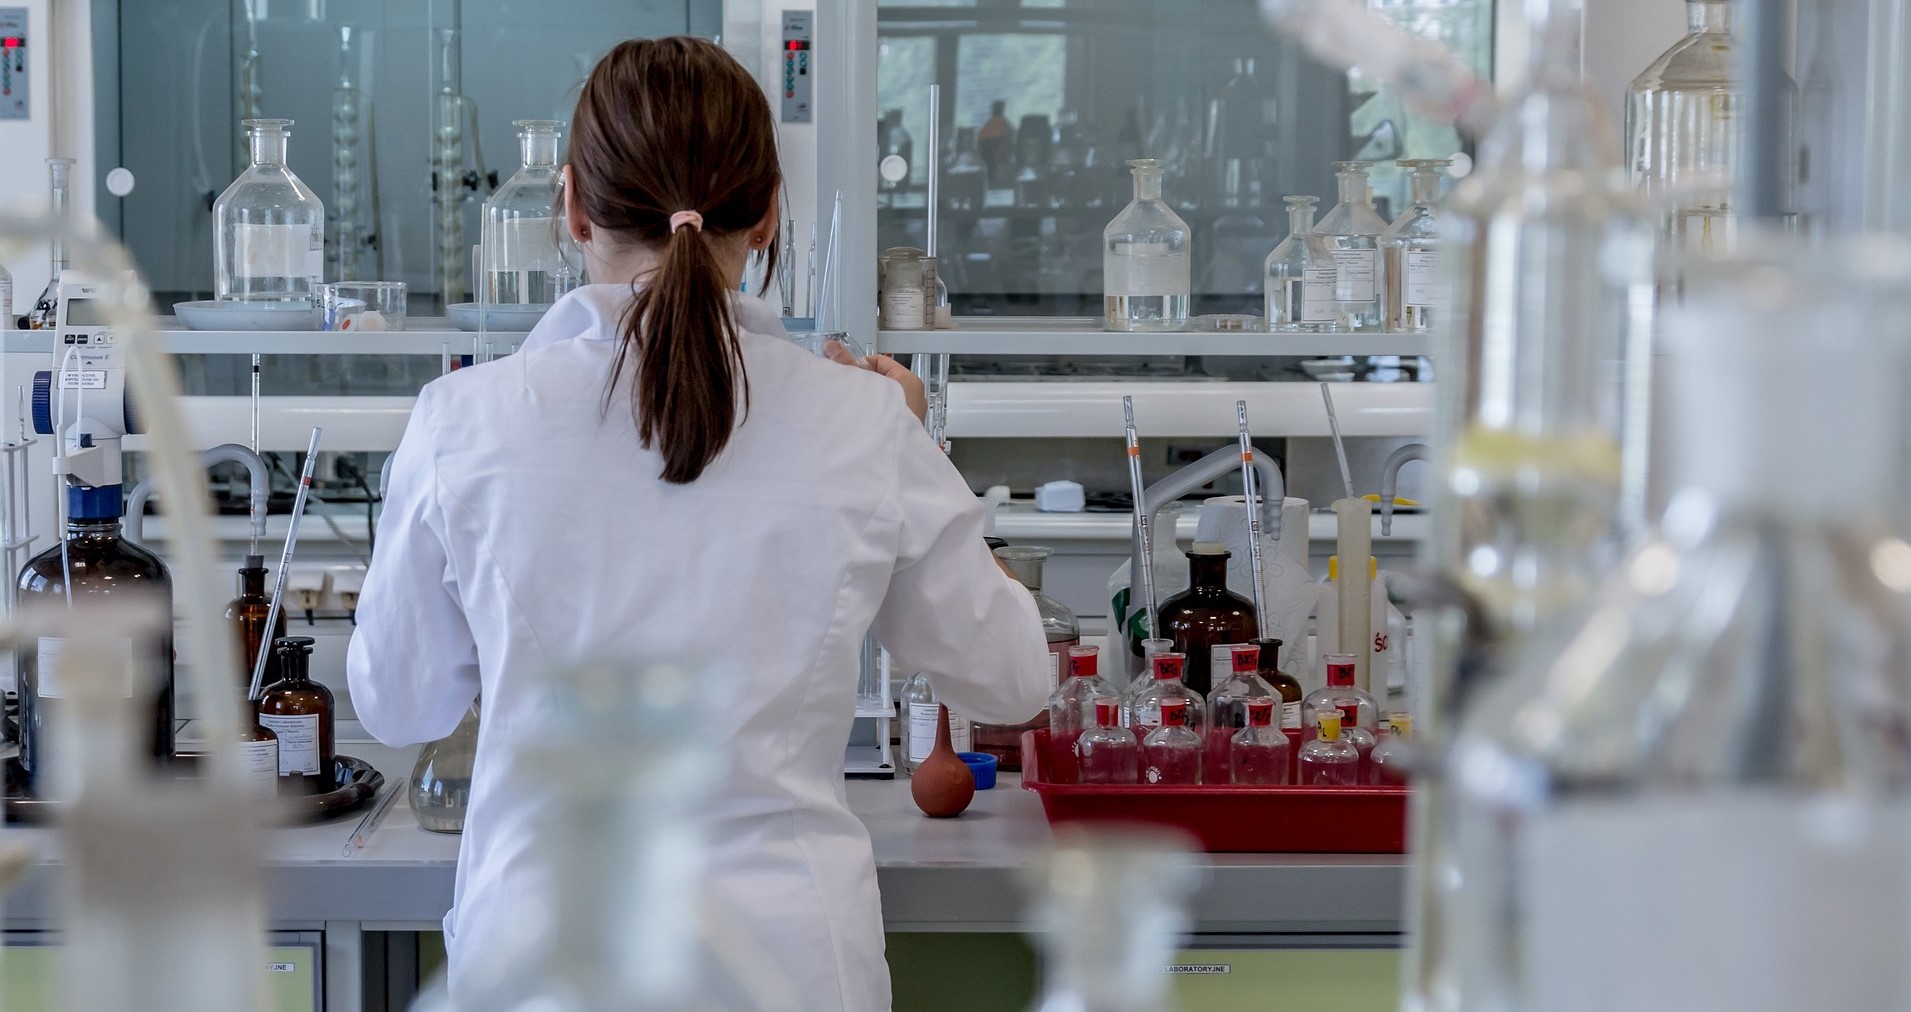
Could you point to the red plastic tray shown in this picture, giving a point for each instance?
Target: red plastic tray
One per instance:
(1225, 818)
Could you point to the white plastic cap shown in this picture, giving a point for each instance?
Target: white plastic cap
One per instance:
(1208, 548)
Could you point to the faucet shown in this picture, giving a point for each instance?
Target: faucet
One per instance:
(224, 453)
(1390, 480)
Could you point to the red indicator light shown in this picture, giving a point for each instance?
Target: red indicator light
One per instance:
(12, 42)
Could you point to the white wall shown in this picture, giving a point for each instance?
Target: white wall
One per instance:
(1621, 38)
(60, 79)
(753, 31)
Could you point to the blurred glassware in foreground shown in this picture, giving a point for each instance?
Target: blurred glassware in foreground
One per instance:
(1109, 909)
(1723, 737)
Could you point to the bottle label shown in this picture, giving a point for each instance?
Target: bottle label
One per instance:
(922, 731)
(52, 683)
(902, 308)
(261, 759)
(1732, 874)
(1056, 652)
(1220, 658)
(1421, 282)
(298, 741)
(1340, 675)
(1291, 716)
(1354, 275)
(277, 251)
(1317, 295)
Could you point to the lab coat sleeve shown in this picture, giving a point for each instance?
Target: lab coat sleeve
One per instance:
(413, 663)
(950, 610)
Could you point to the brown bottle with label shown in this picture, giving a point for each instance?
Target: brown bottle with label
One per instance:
(1206, 615)
(299, 711)
(94, 562)
(248, 613)
(1286, 685)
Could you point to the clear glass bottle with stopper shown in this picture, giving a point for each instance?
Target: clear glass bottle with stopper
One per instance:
(1147, 260)
(441, 779)
(523, 258)
(1328, 760)
(1351, 233)
(1258, 752)
(1410, 247)
(920, 710)
(1108, 753)
(1300, 275)
(1733, 699)
(1071, 707)
(270, 234)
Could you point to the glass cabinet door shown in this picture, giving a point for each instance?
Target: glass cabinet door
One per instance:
(402, 171)
(1046, 100)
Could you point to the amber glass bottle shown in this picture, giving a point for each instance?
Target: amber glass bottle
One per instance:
(299, 711)
(1207, 614)
(259, 748)
(247, 613)
(93, 562)
(1283, 683)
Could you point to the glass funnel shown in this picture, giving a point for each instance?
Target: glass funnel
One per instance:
(270, 239)
(1147, 260)
(1721, 739)
(1109, 908)
(1300, 275)
(524, 227)
(1409, 250)
(1351, 233)
(441, 779)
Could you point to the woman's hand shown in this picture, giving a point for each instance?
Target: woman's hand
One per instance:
(882, 365)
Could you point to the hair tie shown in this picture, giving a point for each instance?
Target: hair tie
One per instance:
(682, 218)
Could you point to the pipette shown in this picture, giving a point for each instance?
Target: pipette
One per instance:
(369, 823)
(1146, 578)
(1252, 495)
(285, 562)
(829, 309)
(1340, 448)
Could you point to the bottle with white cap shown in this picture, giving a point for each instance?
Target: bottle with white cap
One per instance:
(1732, 707)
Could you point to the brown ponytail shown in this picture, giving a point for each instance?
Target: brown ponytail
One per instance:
(665, 126)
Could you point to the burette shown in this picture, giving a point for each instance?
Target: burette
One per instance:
(1251, 494)
(1145, 579)
(285, 563)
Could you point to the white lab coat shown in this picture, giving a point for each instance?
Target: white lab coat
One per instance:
(525, 527)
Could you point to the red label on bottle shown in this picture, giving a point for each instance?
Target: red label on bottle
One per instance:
(1107, 712)
(1349, 713)
(1174, 712)
(1340, 674)
(1082, 662)
(1260, 712)
(1169, 665)
(1247, 658)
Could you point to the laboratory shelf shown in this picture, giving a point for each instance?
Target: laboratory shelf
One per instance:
(1000, 336)
(421, 336)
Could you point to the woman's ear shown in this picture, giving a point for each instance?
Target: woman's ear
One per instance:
(574, 220)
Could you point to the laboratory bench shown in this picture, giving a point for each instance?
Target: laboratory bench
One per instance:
(954, 876)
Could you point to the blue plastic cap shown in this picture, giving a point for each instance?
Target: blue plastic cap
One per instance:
(982, 765)
(102, 503)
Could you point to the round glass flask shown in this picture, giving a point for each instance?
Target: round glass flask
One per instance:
(441, 782)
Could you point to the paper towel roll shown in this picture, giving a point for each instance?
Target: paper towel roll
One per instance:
(1289, 586)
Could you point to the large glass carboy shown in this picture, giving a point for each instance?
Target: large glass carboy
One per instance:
(1409, 250)
(270, 241)
(1300, 275)
(1147, 259)
(524, 228)
(1351, 233)
(1683, 129)
(1707, 780)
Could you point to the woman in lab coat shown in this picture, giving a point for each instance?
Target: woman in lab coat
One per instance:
(660, 473)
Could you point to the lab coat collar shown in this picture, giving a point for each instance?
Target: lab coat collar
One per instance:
(592, 312)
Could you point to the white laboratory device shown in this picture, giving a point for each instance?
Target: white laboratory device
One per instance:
(82, 400)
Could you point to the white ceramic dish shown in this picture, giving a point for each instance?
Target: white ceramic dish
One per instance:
(515, 318)
(247, 315)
